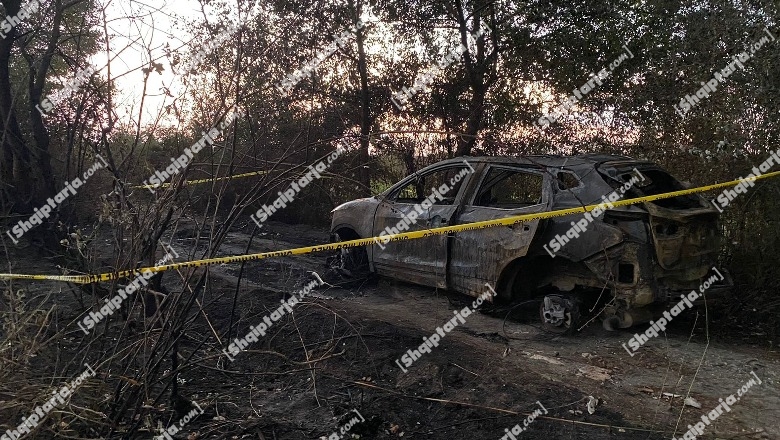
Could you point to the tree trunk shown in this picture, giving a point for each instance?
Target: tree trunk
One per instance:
(364, 175)
(467, 140)
(21, 178)
(30, 179)
(476, 68)
(36, 85)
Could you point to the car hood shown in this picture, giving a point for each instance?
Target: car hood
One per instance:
(353, 203)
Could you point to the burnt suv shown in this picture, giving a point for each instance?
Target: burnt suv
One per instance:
(631, 260)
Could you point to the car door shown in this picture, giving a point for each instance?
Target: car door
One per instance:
(432, 197)
(505, 190)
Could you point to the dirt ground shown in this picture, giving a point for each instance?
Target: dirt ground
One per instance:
(335, 356)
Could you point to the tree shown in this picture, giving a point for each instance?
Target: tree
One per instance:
(30, 53)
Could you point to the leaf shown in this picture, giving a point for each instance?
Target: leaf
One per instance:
(592, 403)
(690, 401)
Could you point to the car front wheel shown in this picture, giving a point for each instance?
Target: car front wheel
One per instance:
(351, 263)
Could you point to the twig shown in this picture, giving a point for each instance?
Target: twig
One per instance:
(505, 411)
(467, 371)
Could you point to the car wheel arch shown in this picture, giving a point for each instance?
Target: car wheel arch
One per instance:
(512, 285)
(345, 232)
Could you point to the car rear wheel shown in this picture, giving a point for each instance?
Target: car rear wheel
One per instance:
(559, 313)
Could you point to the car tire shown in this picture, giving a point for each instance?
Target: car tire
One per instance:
(350, 263)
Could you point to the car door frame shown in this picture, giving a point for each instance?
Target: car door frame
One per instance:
(492, 257)
(426, 271)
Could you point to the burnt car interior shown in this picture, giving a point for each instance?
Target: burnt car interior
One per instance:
(656, 182)
(422, 186)
(505, 188)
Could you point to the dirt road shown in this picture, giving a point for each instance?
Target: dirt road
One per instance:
(488, 367)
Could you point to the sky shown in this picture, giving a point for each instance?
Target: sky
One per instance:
(144, 32)
(140, 33)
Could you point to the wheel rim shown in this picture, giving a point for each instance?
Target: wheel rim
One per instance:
(350, 262)
(558, 314)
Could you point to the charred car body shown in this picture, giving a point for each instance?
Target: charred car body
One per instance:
(633, 260)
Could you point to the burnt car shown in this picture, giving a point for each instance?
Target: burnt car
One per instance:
(631, 261)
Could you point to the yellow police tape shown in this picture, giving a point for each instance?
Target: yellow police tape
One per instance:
(507, 221)
(194, 182)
